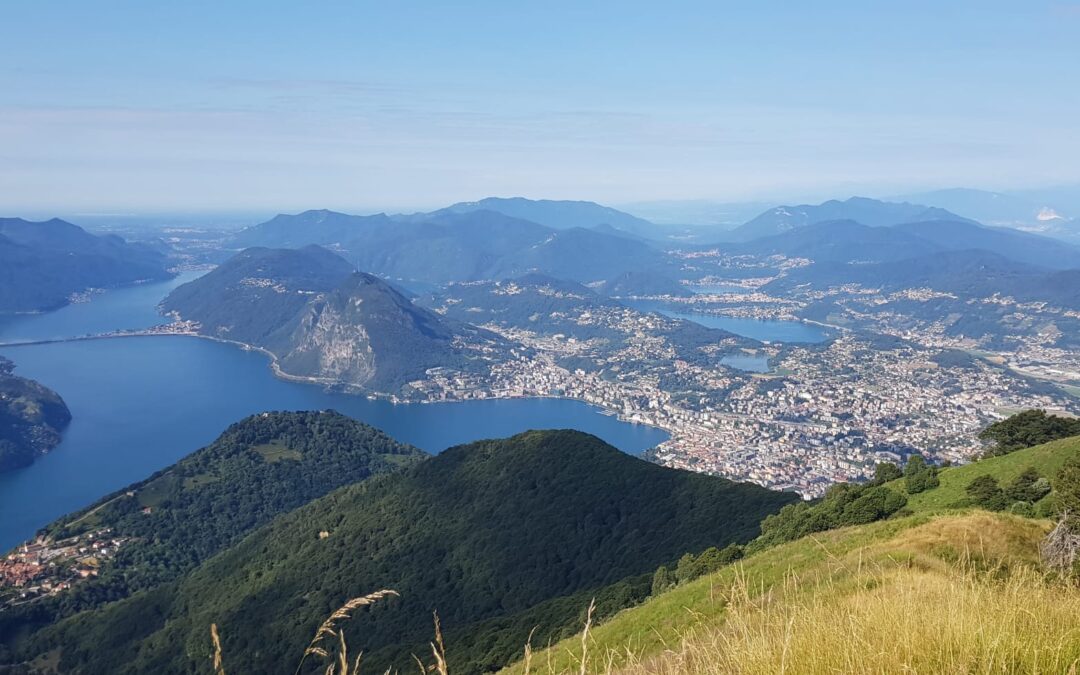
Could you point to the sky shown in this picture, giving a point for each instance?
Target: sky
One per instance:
(135, 106)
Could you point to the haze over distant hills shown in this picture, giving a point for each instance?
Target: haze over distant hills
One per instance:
(559, 214)
(323, 321)
(862, 210)
(1053, 212)
(850, 242)
(43, 263)
(463, 245)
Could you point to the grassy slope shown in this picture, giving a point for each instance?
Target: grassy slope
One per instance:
(845, 566)
(1047, 458)
(930, 542)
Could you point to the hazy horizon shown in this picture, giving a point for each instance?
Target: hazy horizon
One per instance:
(266, 107)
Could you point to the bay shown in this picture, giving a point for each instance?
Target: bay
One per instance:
(141, 403)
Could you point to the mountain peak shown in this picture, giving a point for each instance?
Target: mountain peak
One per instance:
(864, 210)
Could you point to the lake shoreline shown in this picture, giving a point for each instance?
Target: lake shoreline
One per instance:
(328, 385)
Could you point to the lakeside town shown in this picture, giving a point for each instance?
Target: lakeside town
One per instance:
(817, 414)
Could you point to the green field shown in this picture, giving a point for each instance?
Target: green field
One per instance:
(154, 493)
(277, 451)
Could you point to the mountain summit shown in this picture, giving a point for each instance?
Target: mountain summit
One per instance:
(871, 212)
(322, 321)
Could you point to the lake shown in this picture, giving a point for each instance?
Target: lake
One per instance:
(141, 403)
(763, 330)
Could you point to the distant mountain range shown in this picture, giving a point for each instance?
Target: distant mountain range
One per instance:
(31, 418)
(968, 273)
(871, 212)
(1053, 212)
(560, 215)
(463, 243)
(501, 537)
(42, 264)
(323, 321)
(846, 241)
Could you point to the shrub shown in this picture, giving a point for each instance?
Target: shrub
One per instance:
(1029, 486)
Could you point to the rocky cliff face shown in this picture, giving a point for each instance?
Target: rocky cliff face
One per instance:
(322, 321)
(327, 345)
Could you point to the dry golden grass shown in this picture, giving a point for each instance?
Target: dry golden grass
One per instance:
(904, 620)
(339, 663)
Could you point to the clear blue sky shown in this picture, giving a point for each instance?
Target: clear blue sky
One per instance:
(123, 106)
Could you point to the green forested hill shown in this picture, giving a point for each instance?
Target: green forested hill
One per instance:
(258, 468)
(485, 533)
(43, 263)
(320, 319)
(31, 418)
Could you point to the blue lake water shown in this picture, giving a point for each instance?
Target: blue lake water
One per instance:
(132, 307)
(791, 332)
(140, 404)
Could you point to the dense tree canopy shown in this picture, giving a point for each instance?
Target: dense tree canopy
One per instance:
(1027, 429)
(490, 534)
(260, 467)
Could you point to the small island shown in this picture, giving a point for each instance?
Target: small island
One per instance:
(31, 418)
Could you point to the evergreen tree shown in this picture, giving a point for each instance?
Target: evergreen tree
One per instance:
(1026, 429)
(985, 491)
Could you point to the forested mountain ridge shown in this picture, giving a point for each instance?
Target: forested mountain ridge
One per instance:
(42, 264)
(172, 521)
(559, 214)
(459, 245)
(31, 418)
(870, 212)
(256, 292)
(489, 530)
(322, 320)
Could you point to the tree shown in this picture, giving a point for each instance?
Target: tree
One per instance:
(874, 503)
(915, 464)
(1026, 429)
(919, 476)
(662, 580)
(885, 472)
